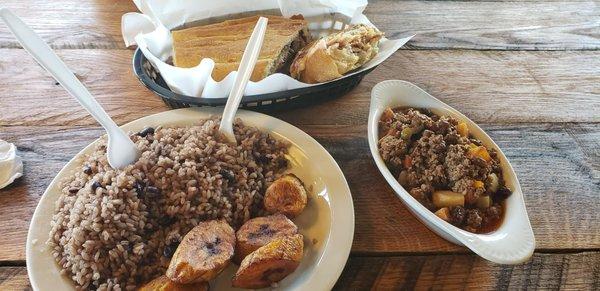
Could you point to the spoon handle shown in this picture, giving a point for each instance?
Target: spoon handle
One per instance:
(247, 63)
(44, 55)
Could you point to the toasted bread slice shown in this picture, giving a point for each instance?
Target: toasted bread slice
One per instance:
(225, 42)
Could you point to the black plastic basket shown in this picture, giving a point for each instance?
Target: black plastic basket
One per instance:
(288, 99)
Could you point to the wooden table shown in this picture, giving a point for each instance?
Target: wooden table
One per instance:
(527, 72)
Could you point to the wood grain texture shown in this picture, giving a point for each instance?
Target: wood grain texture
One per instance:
(70, 24)
(487, 86)
(491, 25)
(529, 25)
(14, 278)
(579, 271)
(464, 272)
(558, 166)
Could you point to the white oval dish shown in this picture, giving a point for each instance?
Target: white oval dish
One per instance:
(513, 242)
(327, 222)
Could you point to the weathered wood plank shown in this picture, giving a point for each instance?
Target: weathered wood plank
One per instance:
(539, 25)
(459, 272)
(514, 25)
(558, 167)
(70, 23)
(579, 271)
(14, 278)
(487, 86)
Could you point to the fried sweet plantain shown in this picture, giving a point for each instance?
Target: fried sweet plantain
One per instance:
(259, 231)
(203, 253)
(163, 283)
(286, 195)
(270, 263)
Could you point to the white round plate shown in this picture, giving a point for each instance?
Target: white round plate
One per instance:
(327, 222)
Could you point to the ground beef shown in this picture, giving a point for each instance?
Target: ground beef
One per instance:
(429, 153)
(457, 215)
(392, 151)
(492, 214)
(474, 218)
(427, 157)
(423, 195)
(459, 164)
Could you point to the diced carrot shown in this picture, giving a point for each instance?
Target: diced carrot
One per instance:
(443, 213)
(407, 162)
(462, 129)
(483, 153)
(478, 184)
(480, 151)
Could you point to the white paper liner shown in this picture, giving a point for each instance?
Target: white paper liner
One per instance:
(11, 165)
(150, 30)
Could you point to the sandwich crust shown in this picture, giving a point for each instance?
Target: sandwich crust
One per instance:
(225, 42)
(332, 56)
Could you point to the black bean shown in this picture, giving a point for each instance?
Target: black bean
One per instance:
(426, 111)
(152, 192)
(146, 131)
(87, 170)
(73, 190)
(282, 163)
(138, 279)
(96, 185)
(502, 194)
(263, 159)
(170, 250)
(166, 220)
(457, 215)
(139, 187)
(227, 175)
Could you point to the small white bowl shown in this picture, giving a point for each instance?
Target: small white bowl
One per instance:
(513, 242)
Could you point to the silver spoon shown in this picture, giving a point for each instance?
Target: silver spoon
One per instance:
(121, 150)
(245, 69)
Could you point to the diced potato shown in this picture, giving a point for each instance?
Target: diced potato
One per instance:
(483, 202)
(447, 199)
(478, 184)
(493, 182)
(443, 213)
(480, 151)
(462, 129)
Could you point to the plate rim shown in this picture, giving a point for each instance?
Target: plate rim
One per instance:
(338, 238)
